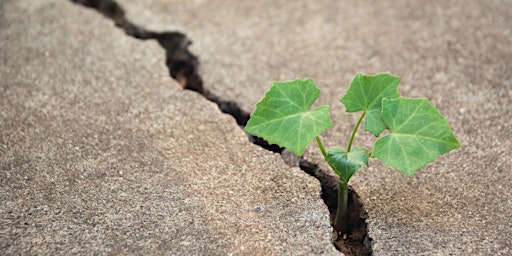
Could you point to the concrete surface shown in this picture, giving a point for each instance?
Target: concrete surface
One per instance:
(102, 153)
(457, 53)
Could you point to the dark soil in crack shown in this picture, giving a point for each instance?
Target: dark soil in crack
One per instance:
(357, 242)
(184, 68)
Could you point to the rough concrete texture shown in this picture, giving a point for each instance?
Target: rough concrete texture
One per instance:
(102, 153)
(457, 53)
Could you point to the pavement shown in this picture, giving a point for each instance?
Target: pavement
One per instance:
(101, 152)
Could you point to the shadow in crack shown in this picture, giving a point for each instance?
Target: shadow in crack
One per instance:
(184, 68)
(183, 65)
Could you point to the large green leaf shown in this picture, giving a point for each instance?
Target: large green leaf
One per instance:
(344, 163)
(282, 116)
(419, 134)
(365, 93)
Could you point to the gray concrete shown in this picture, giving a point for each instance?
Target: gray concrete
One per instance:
(456, 53)
(102, 153)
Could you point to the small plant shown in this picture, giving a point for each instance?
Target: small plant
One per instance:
(418, 132)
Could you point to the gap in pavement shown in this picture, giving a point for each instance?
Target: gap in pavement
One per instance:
(184, 68)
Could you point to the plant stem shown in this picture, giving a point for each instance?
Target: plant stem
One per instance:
(342, 220)
(354, 132)
(321, 146)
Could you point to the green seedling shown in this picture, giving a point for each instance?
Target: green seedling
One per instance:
(418, 133)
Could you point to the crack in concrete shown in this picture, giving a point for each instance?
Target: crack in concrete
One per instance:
(184, 68)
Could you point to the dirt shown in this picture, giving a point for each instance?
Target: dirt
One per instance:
(357, 242)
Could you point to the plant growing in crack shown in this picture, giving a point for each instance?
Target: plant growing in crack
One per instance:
(418, 132)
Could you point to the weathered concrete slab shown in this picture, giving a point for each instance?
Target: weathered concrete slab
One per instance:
(456, 53)
(101, 153)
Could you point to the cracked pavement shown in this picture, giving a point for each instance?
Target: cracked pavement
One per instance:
(102, 152)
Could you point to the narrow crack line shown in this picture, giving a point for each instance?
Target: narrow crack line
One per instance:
(184, 68)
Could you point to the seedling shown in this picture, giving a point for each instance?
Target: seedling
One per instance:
(418, 132)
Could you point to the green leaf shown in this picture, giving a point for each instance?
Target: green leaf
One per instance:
(419, 134)
(282, 116)
(344, 163)
(365, 93)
